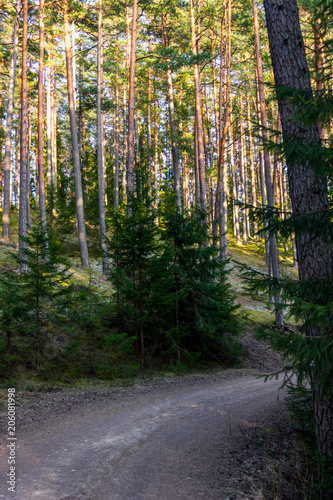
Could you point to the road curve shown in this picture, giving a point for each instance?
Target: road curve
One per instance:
(168, 444)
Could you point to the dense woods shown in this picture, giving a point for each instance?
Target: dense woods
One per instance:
(143, 138)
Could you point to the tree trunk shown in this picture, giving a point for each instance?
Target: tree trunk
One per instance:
(243, 170)
(155, 145)
(319, 71)
(24, 138)
(252, 174)
(173, 129)
(221, 202)
(273, 255)
(40, 121)
(100, 169)
(235, 207)
(149, 125)
(48, 132)
(200, 143)
(8, 140)
(131, 103)
(54, 138)
(116, 153)
(28, 154)
(75, 146)
(308, 190)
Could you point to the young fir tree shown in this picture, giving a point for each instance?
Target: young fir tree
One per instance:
(13, 318)
(44, 286)
(133, 246)
(204, 322)
(87, 309)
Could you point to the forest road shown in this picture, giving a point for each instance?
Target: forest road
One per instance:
(169, 443)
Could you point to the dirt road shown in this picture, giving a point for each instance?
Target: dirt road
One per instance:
(172, 442)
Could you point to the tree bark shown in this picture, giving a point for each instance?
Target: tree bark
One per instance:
(252, 174)
(28, 153)
(319, 70)
(221, 202)
(40, 121)
(235, 207)
(200, 143)
(100, 166)
(173, 129)
(54, 137)
(155, 145)
(273, 255)
(8, 139)
(24, 137)
(308, 191)
(149, 125)
(131, 103)
(243, 171)
(75, 146)
(116, 153)
(48, 131)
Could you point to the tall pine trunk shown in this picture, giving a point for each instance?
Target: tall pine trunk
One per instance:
(40, 121)
(173, 129)
(131, 103)
(8, 140)
(100, 166)
(116, 152)
(198, 113)
(273, 254)
(75, 145)
(308, 189)
(23, 210)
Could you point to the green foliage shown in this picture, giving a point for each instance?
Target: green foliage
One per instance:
(170, 287)
(202, 299)
(133, 247)
(44, 285)
(14, 313)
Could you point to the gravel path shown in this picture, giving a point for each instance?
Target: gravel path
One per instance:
(170, 440)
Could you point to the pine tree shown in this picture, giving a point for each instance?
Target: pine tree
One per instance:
(307, 161)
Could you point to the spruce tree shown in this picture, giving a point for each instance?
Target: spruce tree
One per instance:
(43, 283)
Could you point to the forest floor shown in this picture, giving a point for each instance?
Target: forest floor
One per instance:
(214, 436)
(221, 435)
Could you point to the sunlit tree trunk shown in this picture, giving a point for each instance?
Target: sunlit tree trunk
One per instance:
(116, 152)
(273, 255)
(131, 103)
(48, 129)
(252, 172)
(243, 169)
(40, 123)
(100, 169)
(24, 138)
(54, 136)
(235, 208)
(8, 139)
(149, 124)
(215, 103)
(75, 146)
(173, 129)
(155, 144)
(28, 153)
(221, 203)
(199, 127)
